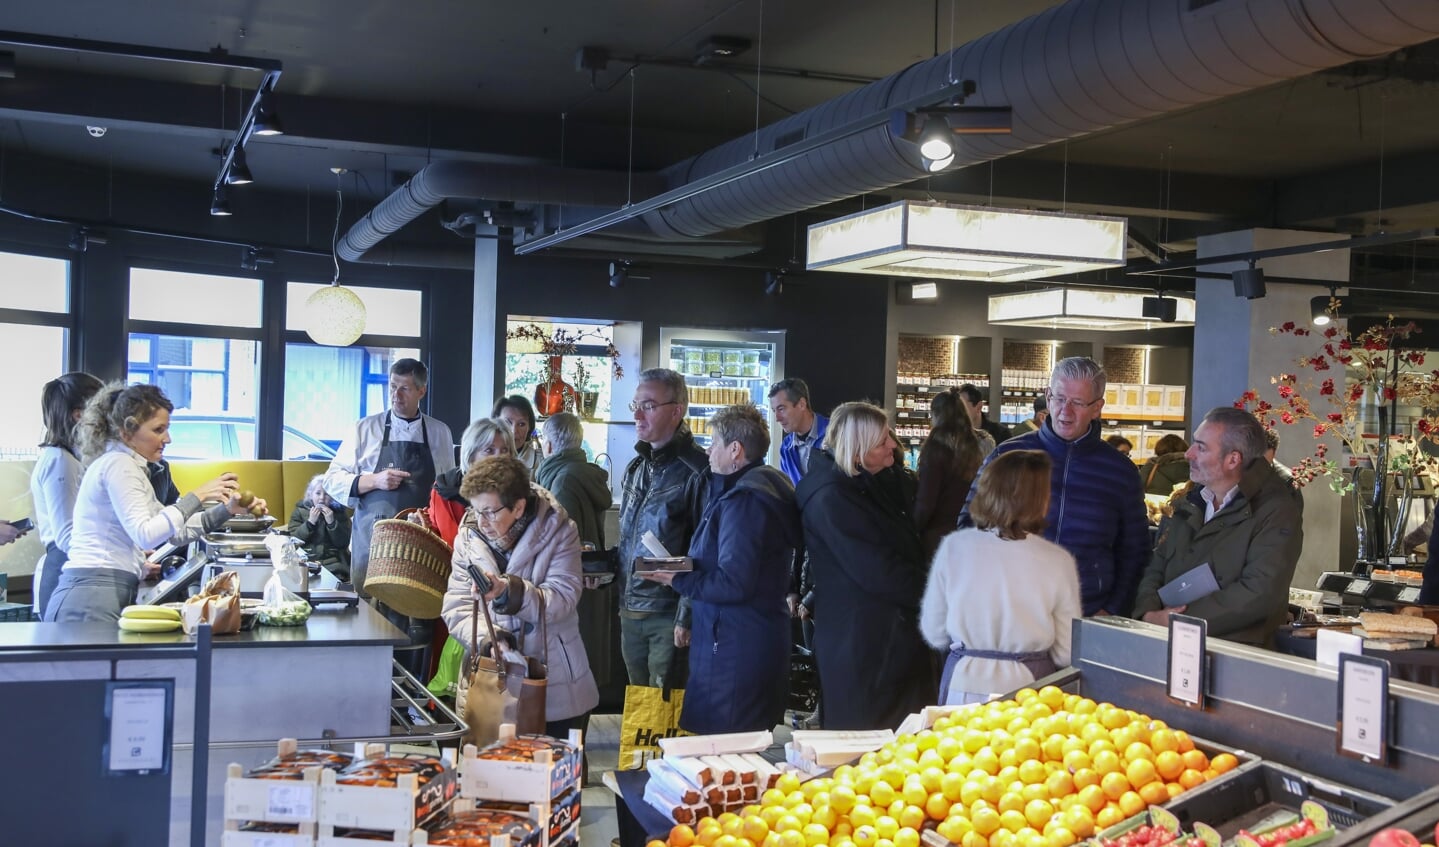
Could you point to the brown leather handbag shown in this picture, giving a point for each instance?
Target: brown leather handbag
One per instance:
(493, 690)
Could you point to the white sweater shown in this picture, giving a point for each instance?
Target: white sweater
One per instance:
(987, 593)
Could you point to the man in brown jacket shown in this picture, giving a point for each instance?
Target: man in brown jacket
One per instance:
(1242, 520)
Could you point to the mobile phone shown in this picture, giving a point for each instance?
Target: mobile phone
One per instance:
(481, 580)
(24, 525)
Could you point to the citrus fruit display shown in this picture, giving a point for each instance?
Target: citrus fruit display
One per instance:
(1044, 769)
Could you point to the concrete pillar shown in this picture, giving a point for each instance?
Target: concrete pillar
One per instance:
(1234, 351)
(488, 336)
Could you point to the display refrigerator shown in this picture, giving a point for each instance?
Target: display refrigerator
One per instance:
(723, 368)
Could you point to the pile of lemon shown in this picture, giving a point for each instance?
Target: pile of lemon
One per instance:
(1042, 770)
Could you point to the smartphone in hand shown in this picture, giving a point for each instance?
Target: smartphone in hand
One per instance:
(24, 525)
(481, 580)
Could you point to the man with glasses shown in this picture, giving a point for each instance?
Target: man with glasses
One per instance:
(663, 494)
(1096, 503)
(1243, 522)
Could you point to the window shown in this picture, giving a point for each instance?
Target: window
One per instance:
(327, 389)
(210, 369)
(174, 297)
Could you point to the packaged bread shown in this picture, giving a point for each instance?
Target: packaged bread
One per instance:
(475, 828)
(522, 748)
(293, 765)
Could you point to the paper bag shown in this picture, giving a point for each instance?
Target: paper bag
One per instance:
(217, 604)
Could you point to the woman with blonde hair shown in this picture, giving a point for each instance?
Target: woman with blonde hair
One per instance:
(868, 563)
(482, 439)
(117, 517)
(1001, 599)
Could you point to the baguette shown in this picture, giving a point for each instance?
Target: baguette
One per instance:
(672, 782)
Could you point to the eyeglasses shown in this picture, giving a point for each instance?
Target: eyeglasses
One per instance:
(649, 406)
(1074, 403)
(489, 515)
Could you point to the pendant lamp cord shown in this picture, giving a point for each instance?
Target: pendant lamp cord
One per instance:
(335, 239)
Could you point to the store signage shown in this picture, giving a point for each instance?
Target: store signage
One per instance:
(138, 718)
(1187, 660)
(1363, 725)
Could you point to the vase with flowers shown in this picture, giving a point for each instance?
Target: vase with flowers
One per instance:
(553, 394)
(1333, 388)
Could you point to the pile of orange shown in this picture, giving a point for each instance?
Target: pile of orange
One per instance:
(1042, 770)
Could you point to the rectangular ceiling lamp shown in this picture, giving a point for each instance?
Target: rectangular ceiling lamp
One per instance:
(980, 243)
(1083, 309)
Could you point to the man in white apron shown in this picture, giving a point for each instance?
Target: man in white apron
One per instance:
(387, 465)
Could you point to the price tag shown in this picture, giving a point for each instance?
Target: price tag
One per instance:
(291, 801)
(138, 736)
(1185, 672)
(1363, 726)
(1357, 586)
(269, 841)
(1409, 595)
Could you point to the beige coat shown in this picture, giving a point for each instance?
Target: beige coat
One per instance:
(547, 560)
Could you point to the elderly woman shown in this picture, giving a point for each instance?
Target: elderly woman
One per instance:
(117, 517)
(869, 573)
(322, 527)
(743, 549)
(56, 479)
(484, 438)
(529, 549)
(1001, 599)
(516, 413)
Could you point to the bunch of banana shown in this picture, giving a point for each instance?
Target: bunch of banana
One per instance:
(149, 619)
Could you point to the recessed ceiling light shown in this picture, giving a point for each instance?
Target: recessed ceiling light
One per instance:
(96, 131)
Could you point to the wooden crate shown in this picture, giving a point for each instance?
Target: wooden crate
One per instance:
(383, 809)
(249, 800)
(542, 780)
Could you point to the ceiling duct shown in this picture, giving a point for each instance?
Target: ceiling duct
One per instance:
(1072, 70)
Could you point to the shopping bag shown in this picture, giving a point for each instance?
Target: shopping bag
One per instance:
(217, 604)
(651, 714)
(502, 687)
(446, 680)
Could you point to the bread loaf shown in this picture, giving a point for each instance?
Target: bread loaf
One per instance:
(1377, 623)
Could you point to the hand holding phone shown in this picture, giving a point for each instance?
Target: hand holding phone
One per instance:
(24, 525)
(482, 582)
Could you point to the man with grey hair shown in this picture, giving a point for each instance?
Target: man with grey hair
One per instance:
(1096, 502)
(663, 494)
(580, 486)
(1242, 522)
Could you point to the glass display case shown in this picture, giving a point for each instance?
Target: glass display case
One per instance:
(724, 368)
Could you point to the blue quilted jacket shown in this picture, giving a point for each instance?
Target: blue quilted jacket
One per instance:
(1096, 512)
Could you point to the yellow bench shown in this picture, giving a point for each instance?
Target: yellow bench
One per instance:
(280, 483)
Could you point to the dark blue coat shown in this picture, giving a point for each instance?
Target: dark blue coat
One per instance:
(1096, 512)
(743, 549)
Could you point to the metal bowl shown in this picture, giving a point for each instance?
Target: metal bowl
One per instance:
(249, 523)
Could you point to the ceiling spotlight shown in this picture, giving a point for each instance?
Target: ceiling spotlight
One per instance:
(936, 140)
(619, 272)
(267, 120)
(720, 47)
(80, 239)
(220, 202)
(934, 166)
(96, 131)
(1161, 308)
(239, 172)
(1249, 282)
(774, 282)
(1323, 309)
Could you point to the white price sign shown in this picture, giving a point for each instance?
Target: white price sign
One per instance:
(291, 801)
(1363, 707)
(1187, 659)
(139, 727)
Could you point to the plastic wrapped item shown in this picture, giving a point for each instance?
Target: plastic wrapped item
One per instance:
(293, 765)
(289, 560)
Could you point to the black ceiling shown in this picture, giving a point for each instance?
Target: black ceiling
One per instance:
(381, 88)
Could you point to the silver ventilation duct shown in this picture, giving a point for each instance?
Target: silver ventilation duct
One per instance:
(1075, 69)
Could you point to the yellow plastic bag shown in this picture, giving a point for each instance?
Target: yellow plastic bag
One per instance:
(650, 714)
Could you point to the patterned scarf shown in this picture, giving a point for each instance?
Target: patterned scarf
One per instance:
(503, 546)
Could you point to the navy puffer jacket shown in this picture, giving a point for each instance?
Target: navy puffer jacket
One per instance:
(1096, 512)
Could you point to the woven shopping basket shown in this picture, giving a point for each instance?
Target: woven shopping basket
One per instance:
(409, 567)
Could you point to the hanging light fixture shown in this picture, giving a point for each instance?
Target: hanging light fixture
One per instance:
(239, 171)
(1084, 308)
(934, 240)
(335, 315)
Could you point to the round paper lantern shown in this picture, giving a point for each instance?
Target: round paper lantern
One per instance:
(334, 316)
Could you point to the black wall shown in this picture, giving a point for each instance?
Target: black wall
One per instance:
(835, 323)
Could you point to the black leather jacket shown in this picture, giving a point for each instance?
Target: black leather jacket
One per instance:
(664, 493)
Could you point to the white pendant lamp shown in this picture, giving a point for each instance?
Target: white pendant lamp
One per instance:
(335, 315)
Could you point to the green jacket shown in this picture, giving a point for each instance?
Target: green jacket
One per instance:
(1252, 544)
(1160, 474)
(581, 488)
